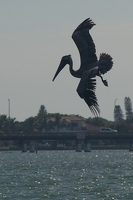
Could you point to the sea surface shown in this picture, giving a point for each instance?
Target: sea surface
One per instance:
(66, 175)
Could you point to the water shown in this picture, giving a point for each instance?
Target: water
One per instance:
(66, 175)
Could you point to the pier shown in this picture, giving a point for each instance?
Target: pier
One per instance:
(81, 139)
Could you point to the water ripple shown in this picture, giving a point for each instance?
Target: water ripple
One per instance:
(57, 175)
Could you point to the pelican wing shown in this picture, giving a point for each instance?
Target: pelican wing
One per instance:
(84, 43)
(86, 90)
(90, 97)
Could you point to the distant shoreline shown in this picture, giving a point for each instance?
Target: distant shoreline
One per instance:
(57, 149)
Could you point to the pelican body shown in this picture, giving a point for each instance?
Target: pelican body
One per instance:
(90, 66)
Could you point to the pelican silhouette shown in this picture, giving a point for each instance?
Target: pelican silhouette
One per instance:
(90, 66)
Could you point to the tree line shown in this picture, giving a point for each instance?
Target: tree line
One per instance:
(125, 122)
(43, 121)
(118, 113)
(121, 123)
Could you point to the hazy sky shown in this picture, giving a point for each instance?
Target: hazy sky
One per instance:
(35, 34)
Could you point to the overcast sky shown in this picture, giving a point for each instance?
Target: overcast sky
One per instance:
(35, 34)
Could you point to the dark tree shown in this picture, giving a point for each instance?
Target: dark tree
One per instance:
(41, 119)
(118, 114)
(28, 125)
(57, 121)
(42, 112)
(128, 107)
(98, 121)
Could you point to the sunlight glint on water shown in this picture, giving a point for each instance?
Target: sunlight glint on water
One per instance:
(69, 175)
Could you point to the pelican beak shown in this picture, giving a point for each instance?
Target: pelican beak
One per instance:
(61, 66)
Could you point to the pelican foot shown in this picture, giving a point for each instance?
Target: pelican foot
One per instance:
(105, 82)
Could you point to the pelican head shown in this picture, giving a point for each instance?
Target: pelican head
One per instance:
(64, 61)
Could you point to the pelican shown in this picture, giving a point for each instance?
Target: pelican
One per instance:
(90, 66)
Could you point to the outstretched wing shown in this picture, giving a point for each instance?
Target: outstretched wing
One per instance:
(86, 90)
(84, 42)
(90, 97)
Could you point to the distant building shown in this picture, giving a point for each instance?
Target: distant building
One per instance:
(92, 128)
(73, 122)
(67, 123)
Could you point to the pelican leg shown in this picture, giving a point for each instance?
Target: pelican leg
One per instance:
(104, 81)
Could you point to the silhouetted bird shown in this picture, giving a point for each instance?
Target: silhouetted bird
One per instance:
(90, 66)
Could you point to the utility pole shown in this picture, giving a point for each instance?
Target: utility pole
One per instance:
(9, 108)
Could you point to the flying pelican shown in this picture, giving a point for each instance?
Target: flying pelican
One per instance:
(90, 66)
